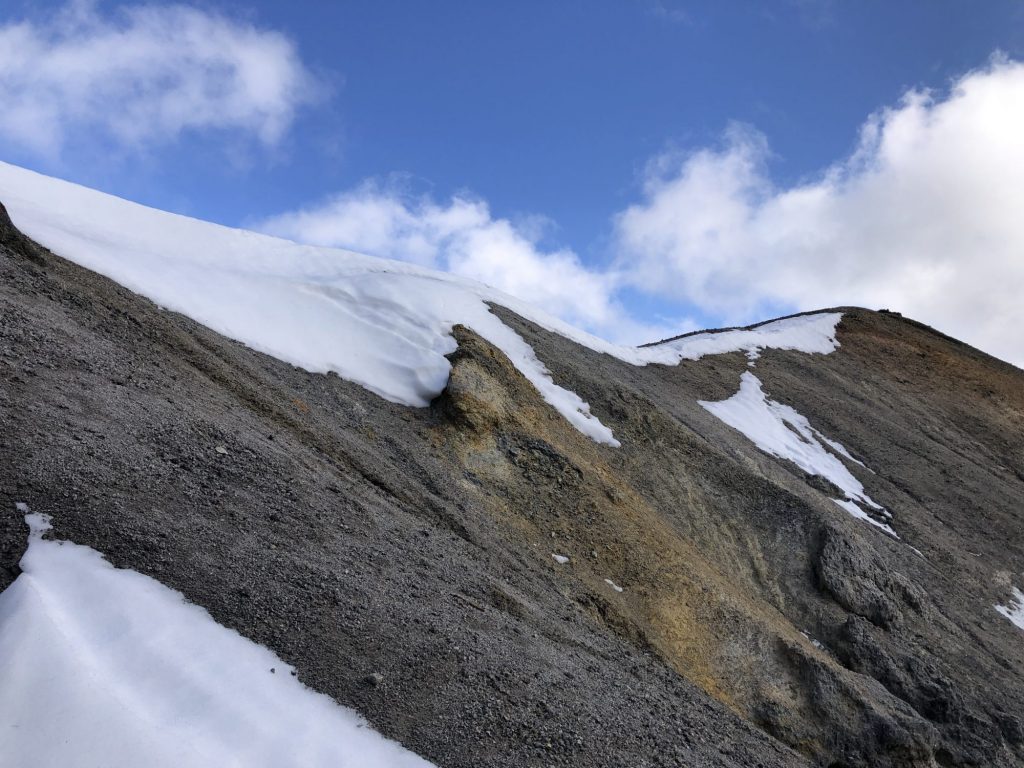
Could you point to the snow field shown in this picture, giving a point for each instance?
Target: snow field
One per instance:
(107, 667)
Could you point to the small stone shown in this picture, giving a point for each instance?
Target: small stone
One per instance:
(613, 585)
(375, 679)
(221, 450)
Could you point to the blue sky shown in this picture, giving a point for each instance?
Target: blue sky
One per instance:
(558, 117)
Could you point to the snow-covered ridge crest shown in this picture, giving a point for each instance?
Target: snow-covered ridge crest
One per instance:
(383, 324)
(814, 334)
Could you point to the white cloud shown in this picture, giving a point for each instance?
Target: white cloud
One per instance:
(462, 237)
(669, 12)
(926, 217)
(147, 74)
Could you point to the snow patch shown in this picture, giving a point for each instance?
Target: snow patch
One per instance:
(778, 429)
(816, 643)
(38, 523)
(104, 666)
(560, 559)
(1014, 610)
(813, 334)
(854, 509)
(613, 585)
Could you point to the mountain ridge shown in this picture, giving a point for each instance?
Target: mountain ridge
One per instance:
(758, 623)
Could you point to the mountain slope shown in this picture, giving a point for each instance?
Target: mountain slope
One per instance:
(758, 623)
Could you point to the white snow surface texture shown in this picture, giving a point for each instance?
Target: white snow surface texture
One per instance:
(383, 324)
(1014, 611)
(781, 431)
(107, 667)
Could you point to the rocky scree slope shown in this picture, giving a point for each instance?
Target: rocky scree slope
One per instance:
(758, 624)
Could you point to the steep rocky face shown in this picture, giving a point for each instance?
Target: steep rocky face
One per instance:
(915, 664)
(758, 623)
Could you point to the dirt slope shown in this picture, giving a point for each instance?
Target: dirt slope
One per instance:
(758, 624)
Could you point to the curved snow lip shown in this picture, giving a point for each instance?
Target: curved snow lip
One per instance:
(385, 325)
(106, 666)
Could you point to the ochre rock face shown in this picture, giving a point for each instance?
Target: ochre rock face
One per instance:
(757, 624)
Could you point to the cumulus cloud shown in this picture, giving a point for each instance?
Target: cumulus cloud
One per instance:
(924, 217)
(463, 237)
(146, 74)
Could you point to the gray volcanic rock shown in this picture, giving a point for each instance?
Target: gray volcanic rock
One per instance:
(401, 558)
